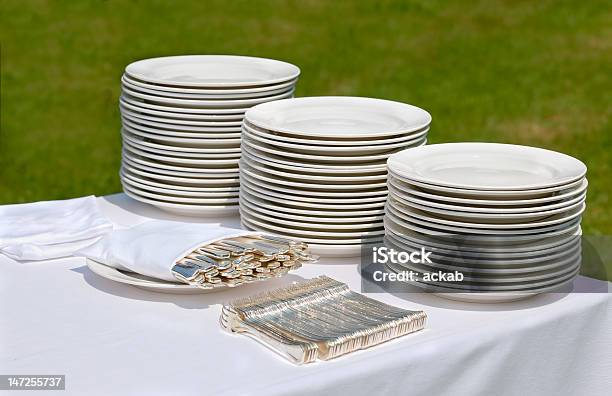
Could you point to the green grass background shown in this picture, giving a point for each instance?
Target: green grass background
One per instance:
(525, 72)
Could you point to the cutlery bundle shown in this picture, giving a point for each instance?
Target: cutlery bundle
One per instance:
(318, 319)
(234, 261)
(180, 257)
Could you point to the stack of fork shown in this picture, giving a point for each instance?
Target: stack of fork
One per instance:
(318, 319)
(234, 261)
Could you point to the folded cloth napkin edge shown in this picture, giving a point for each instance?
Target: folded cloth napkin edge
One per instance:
(145, 250)
(211, 241)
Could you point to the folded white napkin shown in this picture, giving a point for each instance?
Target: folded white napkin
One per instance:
(152, 248)
(50, 229)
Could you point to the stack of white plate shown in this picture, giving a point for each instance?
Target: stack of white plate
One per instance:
(181, 127)
(506, 216)
(315, 168)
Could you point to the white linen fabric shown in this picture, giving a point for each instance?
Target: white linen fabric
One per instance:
(110, 338)
(50, 229)
(152, 248)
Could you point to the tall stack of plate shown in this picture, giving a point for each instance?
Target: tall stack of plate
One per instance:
(315, 168)
(181, 120)
(506, 216)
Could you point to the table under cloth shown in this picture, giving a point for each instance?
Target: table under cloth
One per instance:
(57, 317)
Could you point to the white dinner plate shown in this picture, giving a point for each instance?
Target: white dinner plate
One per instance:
(187, 189)
(217, 90)
(565, 285)
(501, 297)
(141, 105)
(313, 167)
(314, 236)
(207, 133)
(540, 271)
(495, 297)
(292, 195)
(297, 173)
(180, 161)
(178, 199)
(186, 209)
(145, 282)
(212, 71)
(552, 269)
(205, 103)
(208, 94)
(489, 194)
(481, 240)
(528, 286)
(125, 178)
(250, 172)
(221, 168)
(312, 232)
(308, 172)
(492, 269)
(323, 141)
(178, 180)
(173, 116)
(179, 127)
(339, 117)
(345, 250)
(486, 298)
(174, 122)
(319, 248)
(379, 158)
(311, 225)
(412, 212)
(272, 210)
(325, 150)
(173, 151)
(518, 286)
(440, 243)
(300, 195)
(487, 217)
(487, 166)
(340, 208)
(466, 202)
(185, 143)
(500, 263)
(206, 174)
(322, 179)
(535, 210)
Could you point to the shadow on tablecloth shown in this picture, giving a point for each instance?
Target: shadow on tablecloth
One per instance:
(187, 301)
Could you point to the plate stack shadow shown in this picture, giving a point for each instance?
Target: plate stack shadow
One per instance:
(181, 118)
(314, 168)
(505, 216)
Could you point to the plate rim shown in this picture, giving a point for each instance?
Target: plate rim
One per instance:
(204, 209)
(254, 117)
(204, 90)
(582, 188)
(400, 163)
(129, 69)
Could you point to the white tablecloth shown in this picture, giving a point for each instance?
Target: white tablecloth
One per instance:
(57, 317)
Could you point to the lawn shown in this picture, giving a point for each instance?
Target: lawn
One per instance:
(534, 73)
